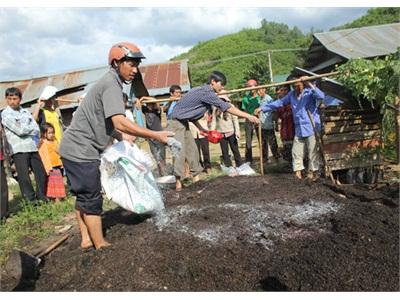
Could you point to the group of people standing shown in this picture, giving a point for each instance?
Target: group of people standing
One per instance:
(102, 117)
(31, 143)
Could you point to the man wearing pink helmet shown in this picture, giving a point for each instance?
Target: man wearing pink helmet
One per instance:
(250, 102)
(98, 119)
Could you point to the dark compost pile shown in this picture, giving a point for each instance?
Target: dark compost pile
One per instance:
(259, 233)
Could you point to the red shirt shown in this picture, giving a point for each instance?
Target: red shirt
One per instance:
(287, 125)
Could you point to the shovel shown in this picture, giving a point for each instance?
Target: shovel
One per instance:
(21, 265)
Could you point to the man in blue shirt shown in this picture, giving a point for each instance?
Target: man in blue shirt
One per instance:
(302, 99)
(191, 108)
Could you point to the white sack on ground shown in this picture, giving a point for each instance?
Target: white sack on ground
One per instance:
(127, 179)
(244, 169)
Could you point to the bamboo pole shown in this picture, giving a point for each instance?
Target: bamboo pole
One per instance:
(260, 148)
(66, 100)
(318, 140)
(278, 83)
(154, 100)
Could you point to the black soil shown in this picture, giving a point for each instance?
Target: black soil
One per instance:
(270, 233)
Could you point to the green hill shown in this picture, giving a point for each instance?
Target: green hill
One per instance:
(238, 55)
(374, 16)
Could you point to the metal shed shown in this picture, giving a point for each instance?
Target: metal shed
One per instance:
(336, 47)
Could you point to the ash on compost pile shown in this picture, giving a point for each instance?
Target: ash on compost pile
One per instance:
(240, 234)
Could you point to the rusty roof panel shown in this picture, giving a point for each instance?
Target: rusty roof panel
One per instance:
(362, 42)
(157, 78)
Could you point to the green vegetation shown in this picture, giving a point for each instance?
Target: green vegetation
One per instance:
(374, 16)
(238, 55)
(233, 54)
(375, 83)
(31, 223)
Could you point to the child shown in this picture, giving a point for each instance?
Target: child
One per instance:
(228, 125)
(202, 143)
(49, 153)
(267, 128)
(152, 113)
(250, 102)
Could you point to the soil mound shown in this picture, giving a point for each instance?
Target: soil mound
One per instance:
(271, 233)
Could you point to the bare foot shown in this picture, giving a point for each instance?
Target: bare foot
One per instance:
(103, 245)
(196, 178)
(86, 244)
(178, 185)
(297, 174)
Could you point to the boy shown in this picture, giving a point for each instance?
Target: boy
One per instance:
(191, 108)
(175, 92)
(98, 119)
(287, 127)
(250, 102)
(267, 129)
(20, 129)
(152, 114)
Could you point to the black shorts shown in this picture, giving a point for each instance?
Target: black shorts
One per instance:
(85, 184)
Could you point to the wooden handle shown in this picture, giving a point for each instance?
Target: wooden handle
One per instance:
(261, 148)
(53, 246)
(319, 143)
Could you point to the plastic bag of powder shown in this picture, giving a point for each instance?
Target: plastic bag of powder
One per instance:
(127, 179)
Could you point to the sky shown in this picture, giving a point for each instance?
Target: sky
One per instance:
(36, 41)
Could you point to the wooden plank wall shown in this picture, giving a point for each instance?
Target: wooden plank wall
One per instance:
(352, 138)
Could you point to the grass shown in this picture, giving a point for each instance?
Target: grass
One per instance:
(28, 223)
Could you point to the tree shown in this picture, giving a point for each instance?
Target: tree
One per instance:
(376, 82)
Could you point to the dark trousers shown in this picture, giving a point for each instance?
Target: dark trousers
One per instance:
(85, 184)
(3, 191)
(249, 128)
(268, 138)
(233, 143)
(24, 161)
(204, 152)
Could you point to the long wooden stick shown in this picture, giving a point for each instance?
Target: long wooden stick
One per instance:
(154, 100)
(261, 148)
(53, 246)
(278, 83)
(319, 143)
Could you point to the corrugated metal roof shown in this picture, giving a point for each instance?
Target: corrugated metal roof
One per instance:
(157, 78)
(362, 42)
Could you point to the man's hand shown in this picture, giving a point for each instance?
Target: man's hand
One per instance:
(204, 133)
(257, 111)
(162, 136)
(304, 79)
(129, 138)
(138, 103)
(41, 102)
(253, 119)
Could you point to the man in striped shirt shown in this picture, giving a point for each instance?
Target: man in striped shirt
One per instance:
(191, 108)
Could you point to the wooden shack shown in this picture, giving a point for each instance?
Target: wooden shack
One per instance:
(351, 135)
(352, 143)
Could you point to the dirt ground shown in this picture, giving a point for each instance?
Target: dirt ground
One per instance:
(259, 233)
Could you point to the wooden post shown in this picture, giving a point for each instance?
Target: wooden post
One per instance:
(397, 121)
(260, 148)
